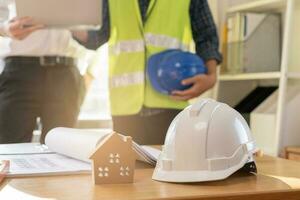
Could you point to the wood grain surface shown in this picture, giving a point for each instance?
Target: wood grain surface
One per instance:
(278, 179)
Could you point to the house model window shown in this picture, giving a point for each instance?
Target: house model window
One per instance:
(113, 161)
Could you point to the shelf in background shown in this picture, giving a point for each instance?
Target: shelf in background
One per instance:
(249, 76)
(259, 6)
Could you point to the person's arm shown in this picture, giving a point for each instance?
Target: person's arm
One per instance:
(17, 28)
(204, 31)
(85, 57)
(207, 47)
(20, 28)
(102, 36)
(76, 50)
(95, 39)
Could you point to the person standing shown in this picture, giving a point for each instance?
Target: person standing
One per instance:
(40, 77)
(137, 29)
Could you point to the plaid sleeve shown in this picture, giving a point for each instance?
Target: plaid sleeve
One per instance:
(204, 31)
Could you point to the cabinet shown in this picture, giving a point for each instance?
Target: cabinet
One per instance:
(232, 88)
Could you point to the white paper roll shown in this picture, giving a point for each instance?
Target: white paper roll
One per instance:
(75, 143)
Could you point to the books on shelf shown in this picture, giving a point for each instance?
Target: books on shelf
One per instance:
(253, 42)
(66, 151)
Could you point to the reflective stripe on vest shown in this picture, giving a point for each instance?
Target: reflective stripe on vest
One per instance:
(164, 41)
(127, 47)
(128, 79)
(155, 40)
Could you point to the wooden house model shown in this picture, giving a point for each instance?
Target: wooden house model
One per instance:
(113, 161)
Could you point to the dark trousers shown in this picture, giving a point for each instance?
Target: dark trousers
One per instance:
(150, 130)
(29, 90)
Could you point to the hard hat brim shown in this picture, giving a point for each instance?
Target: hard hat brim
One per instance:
(174, 176)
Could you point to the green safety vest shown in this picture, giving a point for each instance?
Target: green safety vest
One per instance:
(132, 42)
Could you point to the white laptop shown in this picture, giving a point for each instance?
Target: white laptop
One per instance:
(72, 14)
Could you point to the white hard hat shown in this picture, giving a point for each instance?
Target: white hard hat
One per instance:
(207, 141)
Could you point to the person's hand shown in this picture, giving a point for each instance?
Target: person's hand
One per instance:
(88, 79)
(20, 28)
(200, 83)
(81, 35)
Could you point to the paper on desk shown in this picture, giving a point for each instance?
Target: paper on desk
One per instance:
(80, 143)
(152, 152)
(75, 143)
(31, 159)
(23, 148)
(44, 164)
(147, 154)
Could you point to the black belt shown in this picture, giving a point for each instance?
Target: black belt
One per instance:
(43, 60)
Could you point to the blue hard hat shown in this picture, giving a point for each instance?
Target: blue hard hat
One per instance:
(167, 69)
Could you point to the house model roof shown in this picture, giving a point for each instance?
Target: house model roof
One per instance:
(111, 140)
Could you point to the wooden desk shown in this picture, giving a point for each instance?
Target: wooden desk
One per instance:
(277, 179)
